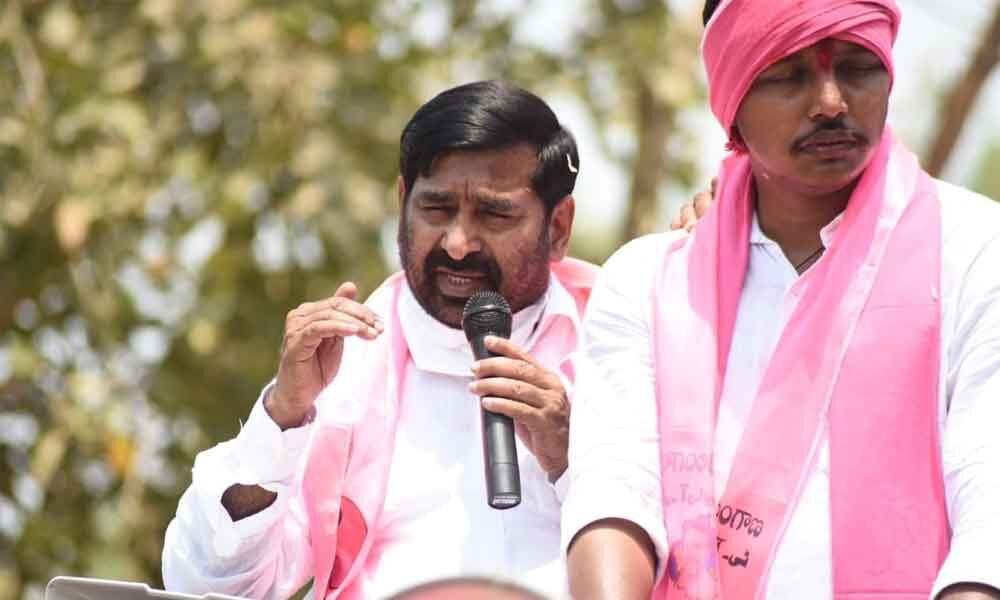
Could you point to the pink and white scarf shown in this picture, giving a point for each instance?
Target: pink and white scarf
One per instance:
(859, 357)
(347, 468)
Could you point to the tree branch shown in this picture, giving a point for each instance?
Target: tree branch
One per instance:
(954, 111)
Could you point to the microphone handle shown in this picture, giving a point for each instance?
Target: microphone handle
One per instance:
(503, 478)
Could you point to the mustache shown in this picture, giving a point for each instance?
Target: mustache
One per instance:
(830, 130)
(476, 262)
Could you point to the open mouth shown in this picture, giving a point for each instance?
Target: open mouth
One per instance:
(459, 284)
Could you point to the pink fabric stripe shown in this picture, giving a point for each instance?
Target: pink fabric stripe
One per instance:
(876, 434)
(731, 545)
(336, 458)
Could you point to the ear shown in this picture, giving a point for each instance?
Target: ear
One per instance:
(401, 192)
(560, 228)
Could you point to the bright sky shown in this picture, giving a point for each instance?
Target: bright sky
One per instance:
(936, 42)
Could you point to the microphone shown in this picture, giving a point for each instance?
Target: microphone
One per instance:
(487, 313)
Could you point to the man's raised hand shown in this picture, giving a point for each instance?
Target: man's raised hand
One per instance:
(312, 349)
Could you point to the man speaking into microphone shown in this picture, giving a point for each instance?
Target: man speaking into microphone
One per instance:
(361, 465)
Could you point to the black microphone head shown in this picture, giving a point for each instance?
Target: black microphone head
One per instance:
(486, 312)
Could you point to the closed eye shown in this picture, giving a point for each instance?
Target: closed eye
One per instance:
(437, 213)
(790, 76)
(862, 69)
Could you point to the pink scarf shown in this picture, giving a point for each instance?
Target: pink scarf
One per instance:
(860, 354)
(347, 469)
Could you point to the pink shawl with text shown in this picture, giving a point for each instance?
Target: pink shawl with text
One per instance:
(859, 358)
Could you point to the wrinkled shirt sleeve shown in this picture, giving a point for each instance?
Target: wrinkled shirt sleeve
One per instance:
(614, 443)
(970, 441)
(265, 555)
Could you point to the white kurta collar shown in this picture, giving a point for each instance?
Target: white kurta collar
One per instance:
(826, 235)
(437, 348)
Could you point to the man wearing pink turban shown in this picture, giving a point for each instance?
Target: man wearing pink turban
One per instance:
(818, 419)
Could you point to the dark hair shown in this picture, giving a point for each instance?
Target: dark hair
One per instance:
(488, 115)
(710, 6)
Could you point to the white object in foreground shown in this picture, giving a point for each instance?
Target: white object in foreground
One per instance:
(79, 588)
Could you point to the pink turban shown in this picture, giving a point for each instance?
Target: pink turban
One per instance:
(745, 37)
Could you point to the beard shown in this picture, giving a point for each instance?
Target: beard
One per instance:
(522, 286)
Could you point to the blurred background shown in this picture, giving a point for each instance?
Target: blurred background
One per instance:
(176, 175)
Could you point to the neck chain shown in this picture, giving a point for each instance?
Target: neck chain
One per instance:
(803, 266)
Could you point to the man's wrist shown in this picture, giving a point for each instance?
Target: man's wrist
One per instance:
(286, 419)
(556, 473)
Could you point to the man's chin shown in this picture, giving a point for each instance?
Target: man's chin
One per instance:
(448, 311)
(831, 176)
(449, 321)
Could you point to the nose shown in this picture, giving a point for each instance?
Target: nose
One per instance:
(829, 102)
(460, 239)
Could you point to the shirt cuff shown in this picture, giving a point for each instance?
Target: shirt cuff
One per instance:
(565, 374)
(591, 500)
(261, 454)
(561, 486)
(970, 560)
(266, 454)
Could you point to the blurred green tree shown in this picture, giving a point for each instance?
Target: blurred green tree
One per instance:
(987, 179)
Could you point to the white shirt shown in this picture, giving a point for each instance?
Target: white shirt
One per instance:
(435, 520)
(614, 441)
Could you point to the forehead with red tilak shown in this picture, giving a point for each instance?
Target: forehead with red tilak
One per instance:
(824, 55)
